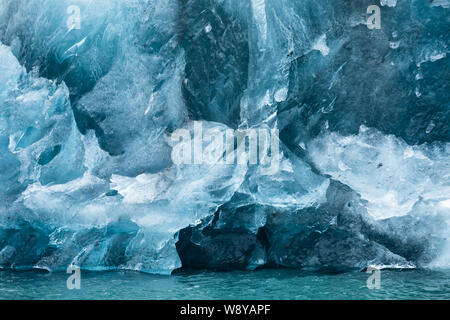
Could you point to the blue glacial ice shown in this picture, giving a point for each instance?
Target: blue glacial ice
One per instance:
(87, 113)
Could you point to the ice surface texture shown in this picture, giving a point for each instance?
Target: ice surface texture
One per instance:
(87, 112)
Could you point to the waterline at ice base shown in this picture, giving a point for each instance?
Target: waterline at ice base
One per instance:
(167, 136)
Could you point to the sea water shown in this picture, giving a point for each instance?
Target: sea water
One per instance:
(278, 284)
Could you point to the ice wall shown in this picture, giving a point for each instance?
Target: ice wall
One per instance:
(89, 104)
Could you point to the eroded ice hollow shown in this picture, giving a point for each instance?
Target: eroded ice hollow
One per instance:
(88, 107)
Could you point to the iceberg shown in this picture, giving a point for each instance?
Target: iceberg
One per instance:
(94, 94)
